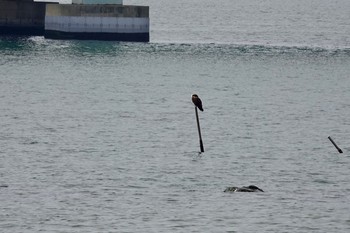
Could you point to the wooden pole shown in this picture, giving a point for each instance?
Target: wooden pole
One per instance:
(339, 150)
(199, 131)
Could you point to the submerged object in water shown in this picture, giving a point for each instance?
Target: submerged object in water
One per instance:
(250, 188)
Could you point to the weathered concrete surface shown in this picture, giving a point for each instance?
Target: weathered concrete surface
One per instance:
(100, 22)
(77, 21)
(98, 10)
(97, 1)
(22, 17)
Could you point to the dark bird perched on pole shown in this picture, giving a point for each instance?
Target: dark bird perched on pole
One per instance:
(198, 103)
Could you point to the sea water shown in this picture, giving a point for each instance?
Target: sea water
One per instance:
(102, 136)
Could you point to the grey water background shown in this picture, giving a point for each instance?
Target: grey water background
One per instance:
(101, 136)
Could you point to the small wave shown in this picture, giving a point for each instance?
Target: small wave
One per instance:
(322, 181)
(113, 48)
(239, 49)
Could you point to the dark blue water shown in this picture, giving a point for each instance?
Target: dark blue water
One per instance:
(102, 137)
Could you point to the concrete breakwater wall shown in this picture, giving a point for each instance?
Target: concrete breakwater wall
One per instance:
(97, 1)
(97, 21)
(22, 17)
(107, 20)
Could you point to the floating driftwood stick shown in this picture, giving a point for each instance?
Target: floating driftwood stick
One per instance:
(336, 146)
(198, 103)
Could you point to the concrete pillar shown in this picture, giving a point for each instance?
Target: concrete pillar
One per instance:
(24, 17)
(97, 21)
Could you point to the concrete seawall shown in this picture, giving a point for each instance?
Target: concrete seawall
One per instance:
(97, 1)
(97, 21)
(108, 20)
(23, 17)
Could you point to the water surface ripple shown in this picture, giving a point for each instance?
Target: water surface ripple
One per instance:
(102, 137)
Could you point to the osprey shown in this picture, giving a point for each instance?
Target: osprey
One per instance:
(197, 102)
